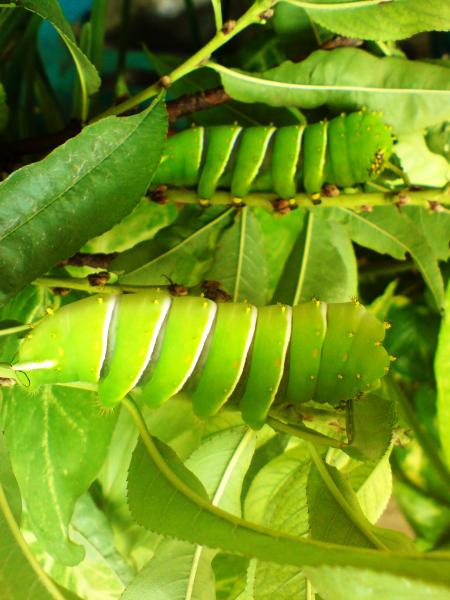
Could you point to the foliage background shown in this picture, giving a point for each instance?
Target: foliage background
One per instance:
(69, 460)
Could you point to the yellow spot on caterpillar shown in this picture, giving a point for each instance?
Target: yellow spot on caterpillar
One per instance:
(100, 300)
(345, 357)
(235, 364)
(355, 301)
(318, 332)
(340, 377)
(378, 343)
(283, 308)
(358, 375)
(236, 201)
(29, 336)
(312, 377)
(155, 301)
(50, 311)
(351, 334)
(315, 353)
(316, 301)
(61, 351)
(368, 385)
(387, 369)
(387, 325)
(277, 363)
(204, 202)
(392, 358)
(315, 196)
(205, 305)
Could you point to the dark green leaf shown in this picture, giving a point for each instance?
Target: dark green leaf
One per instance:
(412, 339)
(50, 208)
(3, 108)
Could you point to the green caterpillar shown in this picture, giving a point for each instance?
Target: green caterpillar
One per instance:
(157, 345)
(344, 151)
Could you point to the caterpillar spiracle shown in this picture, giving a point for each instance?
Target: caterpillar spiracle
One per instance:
(156, 345)
(345, 151)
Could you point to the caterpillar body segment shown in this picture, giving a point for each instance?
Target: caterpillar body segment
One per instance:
(155, 345)
(345, 151)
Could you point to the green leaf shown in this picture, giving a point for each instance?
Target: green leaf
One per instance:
(20, 574)
(342, 583)
(423, 167)
(429, 517)
(435, 226)
(379, 19)
(279, 235)
(103, 572)
(167, 575)
(412, 95)
(438, 139)
(322, 264)
(27, 306)
(412, 339)
(221, 462)
(57, 440)
(50, 10)
(49, 209)
(374, 419)
(140, 225)
(3, 108)
(165, 497)
(182, 252)
(240, 262)
(182, 571)
(442, 371)
(388, 231)
(336, 516)
(372, 483)
(277, 499)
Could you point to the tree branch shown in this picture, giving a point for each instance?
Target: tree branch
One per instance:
(12, 151)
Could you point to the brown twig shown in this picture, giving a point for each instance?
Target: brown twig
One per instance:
(340, 41)
(187, 105)
(97, 261)
(10, 152)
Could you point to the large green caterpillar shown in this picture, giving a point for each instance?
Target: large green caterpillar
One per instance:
(347, 150)
(157, 345)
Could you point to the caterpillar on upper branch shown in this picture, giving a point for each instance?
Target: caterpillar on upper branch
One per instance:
(157, 345)
(347, 150)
